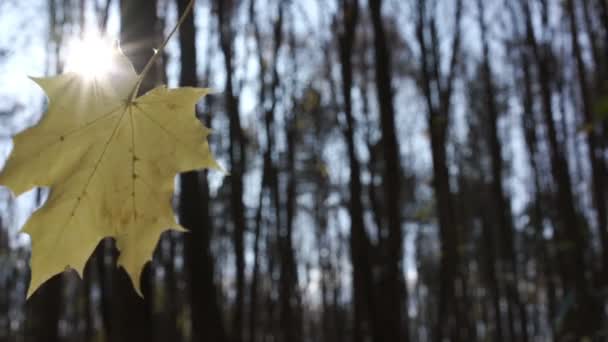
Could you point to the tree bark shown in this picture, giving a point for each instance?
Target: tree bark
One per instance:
(437, 91)
(395, 293)
(571, 231)
(207, 322)
(365, 302)
(503, 208)
(598, 168)
(236, 151)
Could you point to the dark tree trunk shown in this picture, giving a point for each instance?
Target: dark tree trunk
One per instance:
(290, 322)
(255, 272)
(545, 275)
(139, 36)
(365, 305)
(236, 151)
(593, 40)
(603, 5)
(42, 311)
(194, 214)
(290, 298)
(503, 208)
(253, 290)
(571, 230)
(394, 293)
(437, 91)
(290, 325)
(598, 168)
(603, 63)
(489, 245)
(530, 125)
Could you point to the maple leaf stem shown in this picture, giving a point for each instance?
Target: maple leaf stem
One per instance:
(157, 52)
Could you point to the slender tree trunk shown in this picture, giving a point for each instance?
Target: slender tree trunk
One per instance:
(358, 235)
(437, 91)
(591, 32)
(395, 293)
(139, 36)
(571, 230)
(253, 289)
(291, 324)
(365, 305)
(503, 208)
(42, 311)
(530, 125)
(598, 168)
(489, 244)
(194, 212)
(253, 293)
(603, 60)
(236, 151)
(603, 6)
(266, 171)
(545, 275)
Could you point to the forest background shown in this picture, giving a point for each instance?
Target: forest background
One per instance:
(399, 170)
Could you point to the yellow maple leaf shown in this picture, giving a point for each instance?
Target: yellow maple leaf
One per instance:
(110, 162)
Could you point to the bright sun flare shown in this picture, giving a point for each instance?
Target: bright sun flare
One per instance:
(90, 57)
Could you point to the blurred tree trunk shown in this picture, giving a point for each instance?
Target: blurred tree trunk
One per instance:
(255, 272)
(140, 35)
(288, 279)
(395, 296)
(236, 151)
(437, 91)
(359, 243)
(602, 85)
(488, 233)
(594, 40)
(502, 206)
(290, 326)
(365, 306)
(598, 168)
(290, 297)
(42, 312)
(538, 212)
(571, 230)
(490, 255)
(545, 275)
(253, 289)
(207, 322)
